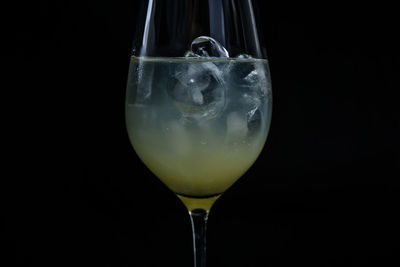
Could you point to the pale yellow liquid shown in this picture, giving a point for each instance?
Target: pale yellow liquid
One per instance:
(198, 157)
(195, 165)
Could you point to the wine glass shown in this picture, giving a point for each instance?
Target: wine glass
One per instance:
(199, 99)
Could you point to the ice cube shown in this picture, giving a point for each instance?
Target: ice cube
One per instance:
(193, 80)
(254, 121)
(236, 126)
(250, 101)
(251, 104)
(250, 77)
(205, 46)
(255, 77)
(190, 53)
(198, 89)
(250, 74)
(244, 56)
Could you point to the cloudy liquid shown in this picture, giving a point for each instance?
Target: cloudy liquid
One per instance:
(198, 144)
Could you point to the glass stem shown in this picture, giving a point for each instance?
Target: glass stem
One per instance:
(199, 225)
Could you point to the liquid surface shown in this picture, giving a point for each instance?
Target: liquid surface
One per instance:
(198, 123)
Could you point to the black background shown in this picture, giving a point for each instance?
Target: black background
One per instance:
(324, 191)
